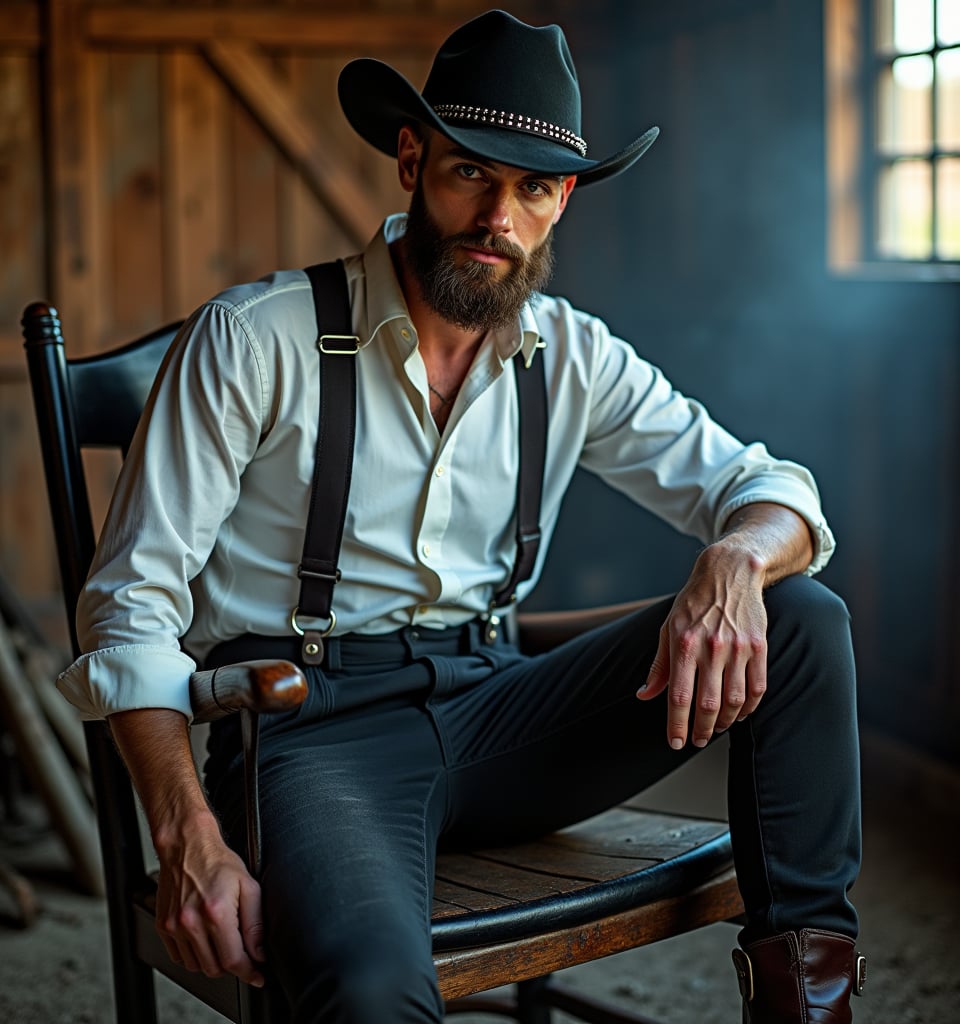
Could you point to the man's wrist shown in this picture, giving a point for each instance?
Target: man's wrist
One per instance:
(177, 828)
(735, 557)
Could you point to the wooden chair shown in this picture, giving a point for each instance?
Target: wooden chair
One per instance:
(501, 916)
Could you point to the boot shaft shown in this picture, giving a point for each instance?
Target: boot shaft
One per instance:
(804, 977)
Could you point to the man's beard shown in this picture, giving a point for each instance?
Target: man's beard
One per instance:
(472, 295)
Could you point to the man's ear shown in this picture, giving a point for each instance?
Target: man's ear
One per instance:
(565, 189)
(409, 152)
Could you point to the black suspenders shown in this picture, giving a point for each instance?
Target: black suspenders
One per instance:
(333, 464)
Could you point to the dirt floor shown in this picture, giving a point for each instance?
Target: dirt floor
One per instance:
(57, 970)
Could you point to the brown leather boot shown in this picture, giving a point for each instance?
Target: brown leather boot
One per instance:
(803, 977)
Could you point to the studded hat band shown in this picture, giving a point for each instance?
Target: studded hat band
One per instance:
(457, 112)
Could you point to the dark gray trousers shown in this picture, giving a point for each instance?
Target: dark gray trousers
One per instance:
(424, 738)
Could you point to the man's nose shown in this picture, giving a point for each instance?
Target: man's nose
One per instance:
(496, 213)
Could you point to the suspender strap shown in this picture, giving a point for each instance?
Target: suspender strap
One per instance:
(532, 418)
(333, 464)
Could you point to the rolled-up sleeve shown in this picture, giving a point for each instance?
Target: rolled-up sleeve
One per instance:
(126, 677)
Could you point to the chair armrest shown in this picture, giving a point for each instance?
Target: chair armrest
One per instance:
(542, 631)
(263, 687)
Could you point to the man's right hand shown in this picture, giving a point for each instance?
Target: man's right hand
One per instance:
(208, 905)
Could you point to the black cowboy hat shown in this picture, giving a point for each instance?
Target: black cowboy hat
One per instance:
(502, 89)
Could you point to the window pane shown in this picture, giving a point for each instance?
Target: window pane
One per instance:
(903, 214)
(948, 22)
(948, 99)
(904, 26)
(948, 209)
(904, 105)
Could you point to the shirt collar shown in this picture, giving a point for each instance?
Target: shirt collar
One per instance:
(385, 301)
(384, 297)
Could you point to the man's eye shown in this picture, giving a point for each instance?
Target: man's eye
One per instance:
(536, 188)
(468, 170)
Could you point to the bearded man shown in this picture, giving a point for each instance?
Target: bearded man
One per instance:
(423, 723)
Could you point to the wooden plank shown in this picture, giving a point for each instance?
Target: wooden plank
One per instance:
(19, 24)
(301, 28)
(22, 270)
(12, 367)
(633, 818)
(195, 174)
(301, 142)
(133, 191)
(451, 900)
(70, 163)
(254, 184)
(507, 881)
(306, 233)
(633, 827)
(27, 550)
(586, 866)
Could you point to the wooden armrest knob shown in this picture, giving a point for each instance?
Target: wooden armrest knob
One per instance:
(263, 687)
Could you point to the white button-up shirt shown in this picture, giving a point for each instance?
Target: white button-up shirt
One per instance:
(205, 533)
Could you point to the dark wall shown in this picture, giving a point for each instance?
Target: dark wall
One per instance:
(709, 256)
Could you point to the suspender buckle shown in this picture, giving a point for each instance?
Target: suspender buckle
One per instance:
(339, 344)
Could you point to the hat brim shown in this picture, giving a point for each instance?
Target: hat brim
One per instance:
(377, 100)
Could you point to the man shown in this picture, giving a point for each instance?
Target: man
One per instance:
(421, 725)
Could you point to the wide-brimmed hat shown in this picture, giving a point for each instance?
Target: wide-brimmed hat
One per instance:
(502, 89)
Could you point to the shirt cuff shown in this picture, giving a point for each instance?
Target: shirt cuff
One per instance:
(126, 678)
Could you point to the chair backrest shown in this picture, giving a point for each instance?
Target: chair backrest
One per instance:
(89, 402)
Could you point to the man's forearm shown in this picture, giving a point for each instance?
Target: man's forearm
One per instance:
(155, 745)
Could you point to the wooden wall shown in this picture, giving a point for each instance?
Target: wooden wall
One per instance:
(152, 153)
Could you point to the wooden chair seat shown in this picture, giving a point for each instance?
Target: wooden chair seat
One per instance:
(517, 914)
(621, 880)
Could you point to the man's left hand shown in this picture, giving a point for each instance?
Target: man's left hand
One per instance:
(713, 645)
(713, 648)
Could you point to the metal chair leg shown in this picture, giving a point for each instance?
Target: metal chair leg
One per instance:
(531, 1006)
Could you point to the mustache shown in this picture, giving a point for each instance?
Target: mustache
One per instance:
(495, 244)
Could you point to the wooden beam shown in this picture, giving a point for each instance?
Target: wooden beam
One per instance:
(268, 26)
(19, 25)
(272, 104)
(289, 28)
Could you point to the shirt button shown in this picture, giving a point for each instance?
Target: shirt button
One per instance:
(405, 334)
(423, 609)
(440, 471)
(426, 550)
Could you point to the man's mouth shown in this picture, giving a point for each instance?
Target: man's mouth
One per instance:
(482, 255)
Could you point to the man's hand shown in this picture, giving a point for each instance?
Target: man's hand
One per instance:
(713, 648)
(713, 645)
(208, 906)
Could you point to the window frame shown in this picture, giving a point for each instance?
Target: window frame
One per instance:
(853, 66)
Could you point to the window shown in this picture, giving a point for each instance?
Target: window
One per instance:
(893, 118)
